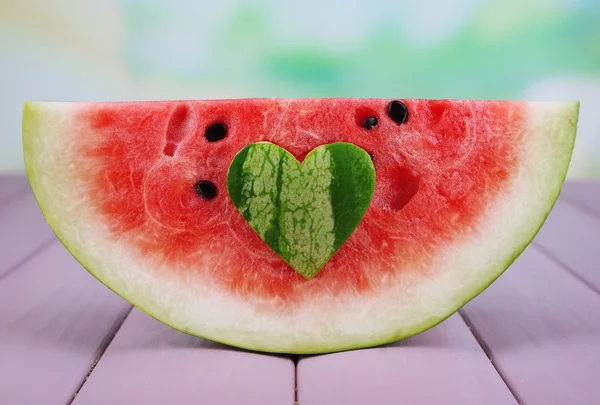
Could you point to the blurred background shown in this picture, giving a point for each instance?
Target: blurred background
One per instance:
(183, 49)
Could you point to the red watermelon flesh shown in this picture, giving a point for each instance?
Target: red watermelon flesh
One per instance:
(461, 189)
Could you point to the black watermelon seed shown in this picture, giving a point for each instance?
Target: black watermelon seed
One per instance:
(369, 122)
(205, 189)
(398, 112)
(215, 132)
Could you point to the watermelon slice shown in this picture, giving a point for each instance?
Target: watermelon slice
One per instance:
(138, 193)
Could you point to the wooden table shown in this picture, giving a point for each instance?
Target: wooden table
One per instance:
(532, 338)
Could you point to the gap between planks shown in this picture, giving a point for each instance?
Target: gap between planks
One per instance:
(585, 210)
(295, 359)
(27, 258)
(109, 338)
(564, 266)
(488, 353)
(579, 206)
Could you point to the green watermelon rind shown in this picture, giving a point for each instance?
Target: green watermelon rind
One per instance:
(349, 192)
(558, 148)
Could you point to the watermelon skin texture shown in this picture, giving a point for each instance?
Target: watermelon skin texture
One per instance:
(419, 269)
(322, 199)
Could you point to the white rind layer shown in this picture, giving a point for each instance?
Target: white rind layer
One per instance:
(324, 324)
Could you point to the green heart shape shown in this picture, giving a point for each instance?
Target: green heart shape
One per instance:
(303, 211)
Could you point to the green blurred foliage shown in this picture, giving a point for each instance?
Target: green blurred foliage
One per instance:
(500, 49)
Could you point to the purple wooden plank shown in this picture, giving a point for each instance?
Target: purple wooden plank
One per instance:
(11, 186)
(23, 230)
(444, 365)
(55, 320)
(542, 328)
(585, 194)
(150, 363)
(572, 236)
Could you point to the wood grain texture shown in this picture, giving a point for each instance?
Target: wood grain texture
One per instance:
(150, 363)
(444, 365)
(542, 329)
(23, 231)
(55, 320)
(584, 194)
(572, 236)
(11, 186)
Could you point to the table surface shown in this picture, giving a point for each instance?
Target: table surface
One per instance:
(533, 337)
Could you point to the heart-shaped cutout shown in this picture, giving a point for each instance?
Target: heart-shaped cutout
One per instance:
(303, 211)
